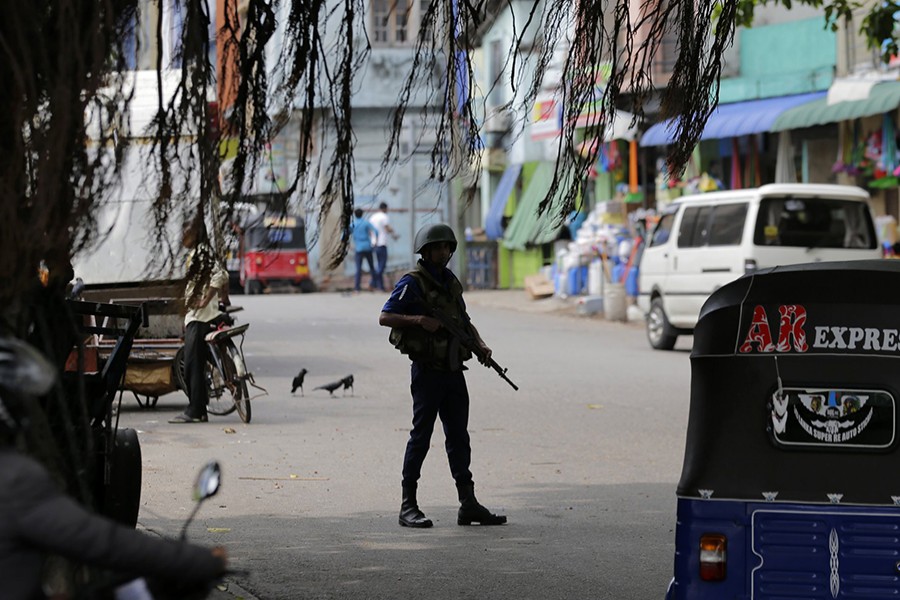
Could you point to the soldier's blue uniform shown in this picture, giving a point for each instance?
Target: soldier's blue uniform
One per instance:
(438, 385)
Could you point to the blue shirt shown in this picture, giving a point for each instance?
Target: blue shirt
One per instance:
(362, 232)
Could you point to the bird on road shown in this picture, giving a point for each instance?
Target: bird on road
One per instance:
(298, 381)
(346, 382)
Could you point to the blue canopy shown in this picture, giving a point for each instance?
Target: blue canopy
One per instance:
(493, 224)
(733, 120)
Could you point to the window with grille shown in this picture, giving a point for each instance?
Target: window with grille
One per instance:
(395, 22)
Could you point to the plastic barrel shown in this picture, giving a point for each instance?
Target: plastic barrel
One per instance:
(615, 307)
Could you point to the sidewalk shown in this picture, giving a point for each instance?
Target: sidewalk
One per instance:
(520, 300)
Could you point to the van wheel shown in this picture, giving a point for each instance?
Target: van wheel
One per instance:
(660, 333)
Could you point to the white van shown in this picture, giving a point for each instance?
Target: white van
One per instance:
(702, 242)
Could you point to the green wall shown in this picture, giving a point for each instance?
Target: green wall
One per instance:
(783, 59)
(514, 265)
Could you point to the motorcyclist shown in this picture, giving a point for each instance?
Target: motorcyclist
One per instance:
(37, 519)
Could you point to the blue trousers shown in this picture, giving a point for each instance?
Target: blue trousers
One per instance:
(438, 394)
(380, 266)
(367, 255)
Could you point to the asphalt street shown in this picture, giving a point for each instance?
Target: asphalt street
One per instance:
(583, 459)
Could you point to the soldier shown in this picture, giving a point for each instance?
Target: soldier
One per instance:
(438, 385)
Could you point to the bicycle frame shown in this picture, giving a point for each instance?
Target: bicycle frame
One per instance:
(218, 344)
(229, 374)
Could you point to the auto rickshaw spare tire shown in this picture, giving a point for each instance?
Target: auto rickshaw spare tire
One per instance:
(121, 496)
(660, 333)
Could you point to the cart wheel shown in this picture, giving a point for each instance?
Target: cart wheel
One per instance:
(121, 497)
(149, 401)
(178, 370)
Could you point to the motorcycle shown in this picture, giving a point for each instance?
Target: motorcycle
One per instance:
(119, 587)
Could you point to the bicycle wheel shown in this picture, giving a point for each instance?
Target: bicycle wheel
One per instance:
(221, 397)
(228, 386)
(238, 370)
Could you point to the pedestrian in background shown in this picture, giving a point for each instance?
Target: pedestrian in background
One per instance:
(363, 233)
(438, 385)
(382, 223)
(207, 280)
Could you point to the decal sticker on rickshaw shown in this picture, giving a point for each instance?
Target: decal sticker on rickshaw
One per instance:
(792, 334)
(857, 419)
(834, 547)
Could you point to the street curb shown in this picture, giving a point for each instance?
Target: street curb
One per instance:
(231, 591)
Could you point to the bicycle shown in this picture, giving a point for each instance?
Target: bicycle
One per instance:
(227, 376)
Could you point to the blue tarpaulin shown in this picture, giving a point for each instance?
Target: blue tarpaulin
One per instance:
(493, 224)
(733, 120)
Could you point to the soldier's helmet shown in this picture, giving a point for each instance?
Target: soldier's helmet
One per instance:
(435, 233)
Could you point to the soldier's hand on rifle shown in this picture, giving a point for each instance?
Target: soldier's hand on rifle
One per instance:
(485, 353)
(430, 324)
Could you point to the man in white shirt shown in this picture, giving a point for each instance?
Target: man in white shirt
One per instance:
(381, 222)
(202, 315)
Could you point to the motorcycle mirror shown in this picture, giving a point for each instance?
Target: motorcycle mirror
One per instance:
(206, 486)
(208, 481)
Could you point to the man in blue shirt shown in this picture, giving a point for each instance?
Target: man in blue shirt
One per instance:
(363, 233)
(438, 384)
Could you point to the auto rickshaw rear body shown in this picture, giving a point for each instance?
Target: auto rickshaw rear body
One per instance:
(274, 252)
(789, 487)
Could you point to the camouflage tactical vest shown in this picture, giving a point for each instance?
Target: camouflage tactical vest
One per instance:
(439, 349)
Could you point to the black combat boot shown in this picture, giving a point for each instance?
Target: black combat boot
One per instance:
(410, 515)
(470, 511)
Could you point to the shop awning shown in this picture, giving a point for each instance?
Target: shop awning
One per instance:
(527, 228)
(493, 224)
(882, 98)
(735, 119)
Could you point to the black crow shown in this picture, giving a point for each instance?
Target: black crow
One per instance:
(347, 382)
(298, 381)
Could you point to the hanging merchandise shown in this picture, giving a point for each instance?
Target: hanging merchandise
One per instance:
(755, 175)
(735, 165)
(603, 158)
(885, 172)
(785, 169)
(632, 167)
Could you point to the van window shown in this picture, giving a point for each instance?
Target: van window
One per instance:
(721, 225)
(694, 227)
(728, 225)
(663, 230)
(814, 223)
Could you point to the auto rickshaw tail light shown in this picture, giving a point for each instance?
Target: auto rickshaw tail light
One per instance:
(713, 557)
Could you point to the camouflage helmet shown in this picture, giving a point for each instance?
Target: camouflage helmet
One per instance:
(435, 233)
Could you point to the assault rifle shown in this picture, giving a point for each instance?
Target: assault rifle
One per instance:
(468, 341)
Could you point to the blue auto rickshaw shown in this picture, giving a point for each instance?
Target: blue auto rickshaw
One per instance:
(791, 480)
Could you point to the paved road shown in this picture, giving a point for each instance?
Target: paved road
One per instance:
(584, 460)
